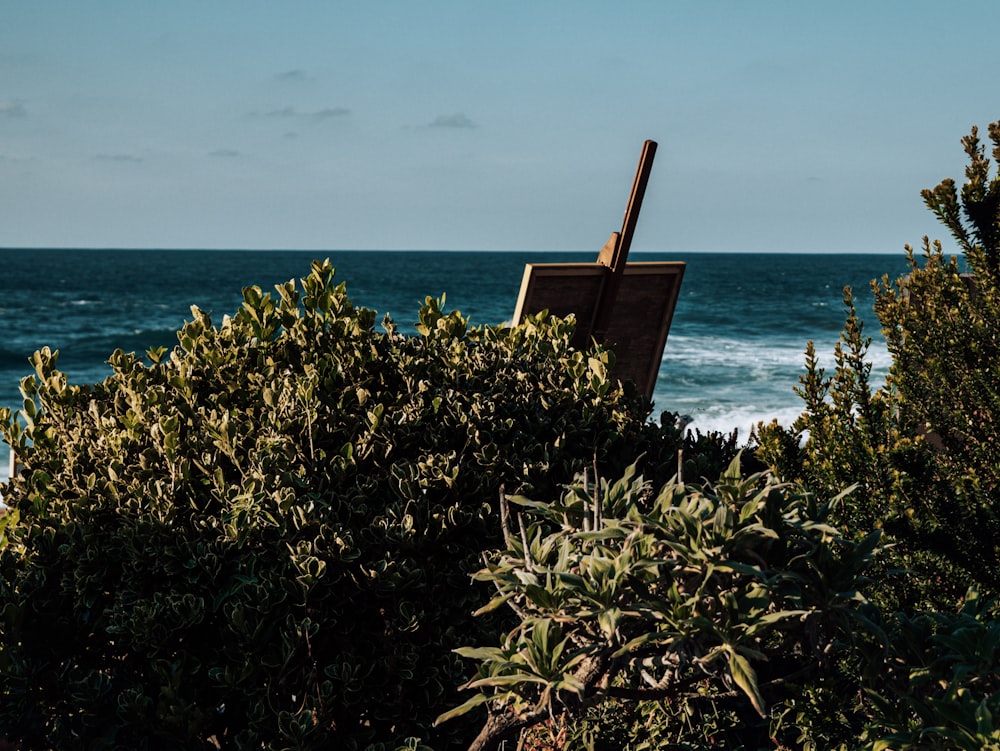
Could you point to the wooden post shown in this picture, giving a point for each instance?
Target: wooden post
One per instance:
(614, 254)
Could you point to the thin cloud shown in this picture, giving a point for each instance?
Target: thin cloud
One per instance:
(292, 76)
(225, 153)
(283, 112)
(291, 113)
(121, 158)
(329, 112)
(457, 120)
(12, 108)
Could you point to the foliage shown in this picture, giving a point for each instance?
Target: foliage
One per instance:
(973, 218)
(846, 423)
(924, 448)
(692, 613)
(941, 689)
(263, 538)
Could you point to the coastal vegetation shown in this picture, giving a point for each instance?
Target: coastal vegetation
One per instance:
(924, 447)
(264, 537)
(667, 618)
(682, 615)
(296, 530)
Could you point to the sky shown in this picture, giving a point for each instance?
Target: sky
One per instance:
(793, 126)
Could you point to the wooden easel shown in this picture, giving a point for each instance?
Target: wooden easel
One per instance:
(627, 306)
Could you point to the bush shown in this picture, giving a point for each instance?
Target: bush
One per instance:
(925, 447)
(264, 537)
(688, 617)
(925, 452)
(940, 688)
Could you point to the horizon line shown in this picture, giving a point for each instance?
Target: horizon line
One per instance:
(164, 249)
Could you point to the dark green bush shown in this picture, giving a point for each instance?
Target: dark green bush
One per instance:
(940, 688)
(263, 539)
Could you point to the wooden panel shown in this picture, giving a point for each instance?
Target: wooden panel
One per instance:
(561, 289)
(640, 320)
(626, 306)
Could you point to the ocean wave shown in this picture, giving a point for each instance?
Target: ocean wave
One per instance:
(726, 383)
(744, 420)
(723, 352)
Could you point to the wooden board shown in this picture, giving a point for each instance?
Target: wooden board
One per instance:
(639, 323)
(563, 289)
(641, 320)
(627, 306)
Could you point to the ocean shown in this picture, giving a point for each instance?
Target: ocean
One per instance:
(733, 356)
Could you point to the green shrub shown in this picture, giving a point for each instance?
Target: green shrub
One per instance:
(940, 688)
(688, 617)
(924, 448)
(264, 537)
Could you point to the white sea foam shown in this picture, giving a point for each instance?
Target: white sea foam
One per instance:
(712, 351)
(724, 383)
(744, 420)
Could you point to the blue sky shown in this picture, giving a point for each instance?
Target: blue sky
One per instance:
(784, 126)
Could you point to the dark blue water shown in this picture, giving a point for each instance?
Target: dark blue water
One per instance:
(734, 352)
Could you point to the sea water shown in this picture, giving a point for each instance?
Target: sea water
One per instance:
(733, 356)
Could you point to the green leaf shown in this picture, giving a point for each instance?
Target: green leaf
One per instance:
(511, 679)
(540, 597)
(608, 620)
(461, 709)
(781, 615)
(481, 653)
(495, 603)
(746, 678)
(651, 637)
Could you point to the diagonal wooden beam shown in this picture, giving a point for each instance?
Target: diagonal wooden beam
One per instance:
(614, 254)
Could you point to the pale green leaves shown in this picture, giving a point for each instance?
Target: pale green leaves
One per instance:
(745, 677)
(534, 668)
(707, 582)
